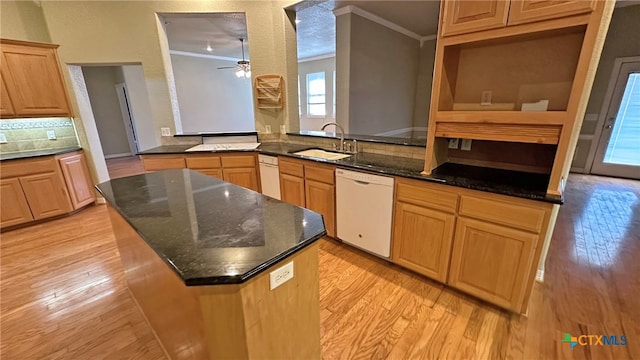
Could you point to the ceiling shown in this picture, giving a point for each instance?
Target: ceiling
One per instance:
(316, 29)
(193, 32)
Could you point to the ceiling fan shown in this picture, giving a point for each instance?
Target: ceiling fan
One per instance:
(243, 68)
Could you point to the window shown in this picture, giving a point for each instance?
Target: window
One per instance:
(316, 105)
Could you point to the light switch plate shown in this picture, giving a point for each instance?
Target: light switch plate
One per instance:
(51, 135)
(281, 275)
(165, 131)
(267, 129)
(466, 145)
(453, 143)
(3, 138)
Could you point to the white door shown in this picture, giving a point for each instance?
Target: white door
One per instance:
(618, 151)
(127, 117)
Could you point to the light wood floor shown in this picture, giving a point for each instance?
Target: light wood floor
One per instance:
(63, 294)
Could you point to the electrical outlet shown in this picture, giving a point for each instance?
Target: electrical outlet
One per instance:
(51, 135)
(281, 275)
(283, 129)
(453, 143)
(267, 129)
(3, 138)
(485, 99)
(466, 145)
(165, 131)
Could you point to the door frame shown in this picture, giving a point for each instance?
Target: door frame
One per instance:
(127, 117)
(606, 108)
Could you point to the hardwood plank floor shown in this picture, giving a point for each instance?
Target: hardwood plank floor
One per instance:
(63, 294)
(124, 166)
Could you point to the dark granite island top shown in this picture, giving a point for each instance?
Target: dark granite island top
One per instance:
(209, 231)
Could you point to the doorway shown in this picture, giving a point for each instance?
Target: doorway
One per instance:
(127, 117)
(618, 150)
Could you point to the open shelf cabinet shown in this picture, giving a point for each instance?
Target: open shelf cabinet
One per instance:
(269, 92)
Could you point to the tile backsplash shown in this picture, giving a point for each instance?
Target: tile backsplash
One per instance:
(31, 134)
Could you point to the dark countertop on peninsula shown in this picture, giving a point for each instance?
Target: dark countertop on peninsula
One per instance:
(209, 231)
(505, 182)
(37, 153)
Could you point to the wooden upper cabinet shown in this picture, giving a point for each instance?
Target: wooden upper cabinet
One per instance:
(33, 79)
(76, 176)
(464, 16)
(524, 11)
(6, 107)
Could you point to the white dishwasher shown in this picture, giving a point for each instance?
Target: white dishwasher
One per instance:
(364, 204)
(269, 176)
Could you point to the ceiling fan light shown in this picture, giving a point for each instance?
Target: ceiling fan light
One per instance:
(247, 74)
(240, 73)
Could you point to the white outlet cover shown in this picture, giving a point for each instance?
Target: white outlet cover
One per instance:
(466, 145)
(283, 129)
(3, 138)
(267, 129)
(165, 131)
(51, 135)
(485, 98)
(281, 275)
(453, 143)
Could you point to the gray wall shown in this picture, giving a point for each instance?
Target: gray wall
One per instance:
(383, 72)
(623, 40)
(423, 85)
(100, 81)
(211, 99)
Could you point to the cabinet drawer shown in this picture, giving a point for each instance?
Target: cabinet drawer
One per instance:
(238, 161)
(203, 162)
(290, 167)
(14, 168)
(428, 195)
(163, 162)
(320, 173)
(517, 215)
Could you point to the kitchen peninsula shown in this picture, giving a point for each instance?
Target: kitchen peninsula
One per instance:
(219, 271)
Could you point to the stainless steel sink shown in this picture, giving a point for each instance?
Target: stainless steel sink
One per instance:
(322, 154)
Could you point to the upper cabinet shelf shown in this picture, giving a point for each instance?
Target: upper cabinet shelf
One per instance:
(32, 83)
(461, 17)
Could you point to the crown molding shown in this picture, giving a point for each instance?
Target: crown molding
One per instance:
(377, 19)
(317, 57)
(214, 57)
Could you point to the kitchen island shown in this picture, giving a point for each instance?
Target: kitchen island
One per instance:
(219, 271)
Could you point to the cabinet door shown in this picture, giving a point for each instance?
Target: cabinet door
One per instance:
(524, 11)
(14, 209)
(76, 176)
(162, 162)
(46, 194)
(422, 240)
(464, 16)
(321, 198)
(292, 189)
(491, 262)
(34, 81)
(6, 108)
(245, 177)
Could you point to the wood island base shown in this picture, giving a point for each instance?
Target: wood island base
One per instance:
(239, 321)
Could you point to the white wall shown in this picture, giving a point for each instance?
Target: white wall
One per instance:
(140, 106)
(328, 66)
(423, 84)
(212, 99)
(100, 82)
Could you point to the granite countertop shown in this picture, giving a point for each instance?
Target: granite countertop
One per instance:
(37, 153)
(505, 182)
(209, 231)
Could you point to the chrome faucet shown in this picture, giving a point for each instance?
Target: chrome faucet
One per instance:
(338, 127)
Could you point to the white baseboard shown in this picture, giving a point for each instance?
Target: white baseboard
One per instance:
(540, 275)
(117, 155)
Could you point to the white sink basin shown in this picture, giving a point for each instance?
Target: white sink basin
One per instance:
(322, 154)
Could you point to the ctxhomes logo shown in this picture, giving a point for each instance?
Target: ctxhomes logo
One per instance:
(599, 340)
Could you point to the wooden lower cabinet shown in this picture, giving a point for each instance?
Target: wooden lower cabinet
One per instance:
(292, 189)
(78, 181)
(422, 239)
(245, 177)
(162, 162)
(46, 194)
(492, 261)
(216, 173)
(321, 197)
(14, 209)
